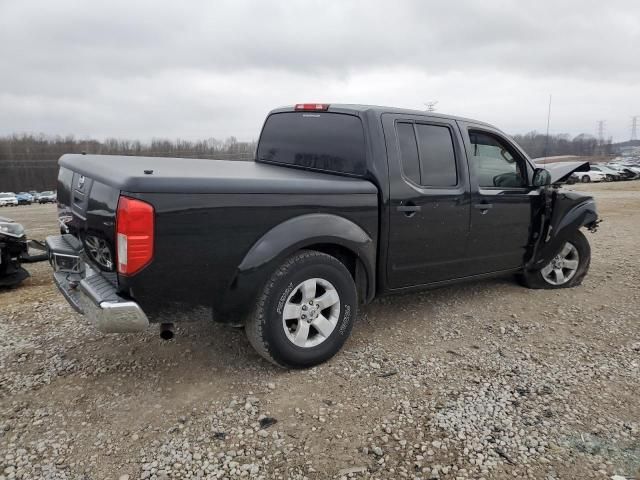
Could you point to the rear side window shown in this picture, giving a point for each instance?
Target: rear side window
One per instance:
(427, 153)
(409, 152)
(320, 141)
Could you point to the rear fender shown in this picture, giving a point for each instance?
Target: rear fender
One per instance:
(567, 217)
(300, 232)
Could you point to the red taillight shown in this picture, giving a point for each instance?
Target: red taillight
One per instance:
(312, 106)
(134, 239)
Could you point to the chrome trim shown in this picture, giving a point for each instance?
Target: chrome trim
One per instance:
(91, 294)
(54, 263)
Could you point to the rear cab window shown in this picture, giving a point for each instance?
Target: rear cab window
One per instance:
(323, 141)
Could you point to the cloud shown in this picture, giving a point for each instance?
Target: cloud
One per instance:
(201, 69)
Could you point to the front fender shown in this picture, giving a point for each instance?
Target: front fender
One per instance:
(569, 214)
(290, 236)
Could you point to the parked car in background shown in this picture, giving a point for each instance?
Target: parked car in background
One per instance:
(625, 173)
(47, 197)
(634, 168)
(24, 198)
(590, 176)
(8, 199)
(611, 175)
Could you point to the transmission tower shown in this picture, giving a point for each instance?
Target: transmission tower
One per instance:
(431, 106)
(634, 127)
(601, 125)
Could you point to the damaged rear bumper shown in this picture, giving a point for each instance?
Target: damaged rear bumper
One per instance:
(89, 292)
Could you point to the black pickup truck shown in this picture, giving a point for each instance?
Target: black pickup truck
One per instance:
(342, 204)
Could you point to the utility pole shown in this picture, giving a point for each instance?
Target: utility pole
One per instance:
(634, 127)
(546, 142)
(431, 106)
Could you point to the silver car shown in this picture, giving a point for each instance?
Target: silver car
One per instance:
(8, 200)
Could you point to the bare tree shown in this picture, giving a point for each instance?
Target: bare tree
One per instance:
(29, 162)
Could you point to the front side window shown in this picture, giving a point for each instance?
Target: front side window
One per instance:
(427, 154)
(494, 162)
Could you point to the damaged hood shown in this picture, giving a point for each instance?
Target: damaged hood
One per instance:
(560, 171)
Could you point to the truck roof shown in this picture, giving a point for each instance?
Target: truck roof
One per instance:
(380, 109)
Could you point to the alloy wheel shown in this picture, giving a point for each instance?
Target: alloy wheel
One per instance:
(311, 312)
(563, 267)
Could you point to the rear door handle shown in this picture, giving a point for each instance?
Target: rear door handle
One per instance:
(483, 207)
(409, 208)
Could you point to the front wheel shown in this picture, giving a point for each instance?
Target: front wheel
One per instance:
(305, 312)
(567, 269)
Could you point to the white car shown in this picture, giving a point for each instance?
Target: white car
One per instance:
(625, 172)
(634, 168)
(610, 174)
(8, 200)
(590, 176)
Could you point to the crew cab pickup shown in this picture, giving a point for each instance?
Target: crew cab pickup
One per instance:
(343, 203)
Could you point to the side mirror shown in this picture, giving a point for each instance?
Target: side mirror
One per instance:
(541, 177)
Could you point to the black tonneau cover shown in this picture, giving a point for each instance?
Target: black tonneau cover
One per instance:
(188, 175)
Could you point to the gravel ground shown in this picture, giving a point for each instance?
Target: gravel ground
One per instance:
(482, 380)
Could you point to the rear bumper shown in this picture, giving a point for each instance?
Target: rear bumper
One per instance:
(89, 292)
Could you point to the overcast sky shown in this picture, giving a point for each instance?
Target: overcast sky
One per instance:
(200, 69)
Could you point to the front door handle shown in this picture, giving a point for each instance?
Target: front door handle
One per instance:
(409, 209)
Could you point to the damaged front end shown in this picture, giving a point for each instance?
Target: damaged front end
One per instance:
(561, 212)
(15, 249)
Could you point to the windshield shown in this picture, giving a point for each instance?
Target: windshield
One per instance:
(46, 193)
(324, 141)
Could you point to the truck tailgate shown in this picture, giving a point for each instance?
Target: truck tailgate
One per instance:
(87, 210)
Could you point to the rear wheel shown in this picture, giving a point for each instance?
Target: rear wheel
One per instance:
(567, 269)
(305, 312)
(586, 179)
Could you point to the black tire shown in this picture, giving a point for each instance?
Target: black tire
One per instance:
(535, 278)
(586, 179)
(265, 329)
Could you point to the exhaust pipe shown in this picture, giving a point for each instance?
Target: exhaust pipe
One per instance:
(166, 331)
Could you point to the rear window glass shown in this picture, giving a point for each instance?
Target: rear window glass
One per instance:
(320, 141)
(437, 160)
(427, 154)
(409, 152)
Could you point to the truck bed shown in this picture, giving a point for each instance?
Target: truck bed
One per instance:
(188, 175)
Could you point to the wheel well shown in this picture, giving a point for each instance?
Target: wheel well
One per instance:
(350, 260)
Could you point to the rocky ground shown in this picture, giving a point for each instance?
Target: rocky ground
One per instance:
(483, 380)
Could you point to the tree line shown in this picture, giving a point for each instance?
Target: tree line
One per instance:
(540, 145)
(29, 162)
